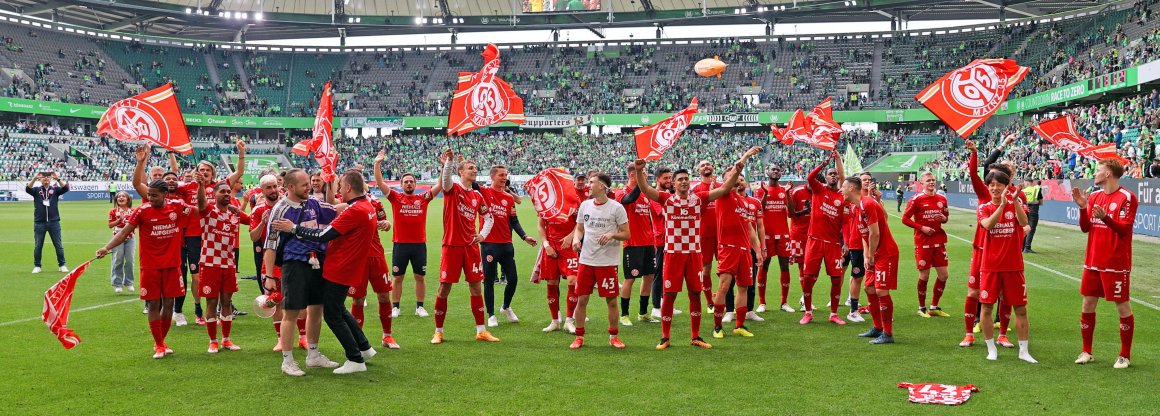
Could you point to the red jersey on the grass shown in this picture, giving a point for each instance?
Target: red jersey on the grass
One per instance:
(775, 215)
(708, 228)
(921, 211)
(160, 232)
(640, 228)
(800, 195)
(873, 213)
(380, 215)
(1108, 250)
(461, 208)
(188, 194)
(852, 226)
(502, 205)
(982, 193)
(735, 214)
(825, 210)
(348, 256)
(683, 221)
(219, 237)
(658, 223)
(409, 216)
(1003, 243)
(557, 231)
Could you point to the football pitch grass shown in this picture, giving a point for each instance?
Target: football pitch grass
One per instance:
(786, 368)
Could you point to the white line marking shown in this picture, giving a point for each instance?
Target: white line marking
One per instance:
(88, 308)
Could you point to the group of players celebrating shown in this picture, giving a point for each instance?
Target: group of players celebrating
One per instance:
(317, 243)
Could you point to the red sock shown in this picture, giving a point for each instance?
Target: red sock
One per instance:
(887, 309)
(301, 327)
(667, 313)
(1087, 329)
(808, 290)
(835, 293)
(614, 331)
(1127, 329)
(694, 314)
(922, 284)
(580, 331)
(708, 297)
(278, 328)
(873, 305)
(477, 309)
(707, 287)
(572, 299)
(740, 315)
(939, 286)
(784, 286)
(761, 280)
(155, 330)
(211, 328)
(554, 301)
(227, 325)
(718, 314)
(385, 316)
(440, 311)
(165, 325)
(356, 309)
(1004, 319)
(969, 307)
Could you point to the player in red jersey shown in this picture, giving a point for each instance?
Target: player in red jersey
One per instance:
(1108, 216)
(1002, 266)
(497, 249)
(557, 260)
(853, 256)
(221, 223)
(606, 223)
(161, 222)
(775, 203)
(462, 208)
(664, 183)
(707, 183)
(824, 245)
(857, 257)
(881, 256)
(409, 241)
(737, 237)
(639, 253)
(377, 279)
(798, 205)
(971, 302)
(926, 212)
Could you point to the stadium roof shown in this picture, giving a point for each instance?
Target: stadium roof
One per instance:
(228, 20)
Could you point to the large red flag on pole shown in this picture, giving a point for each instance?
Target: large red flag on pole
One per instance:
(322, 142)
(822, 118)
(152, 116)
(57, 301)
(552, 195)
(1061, 132)
(968, 96)
(483, 98)
(654, 140)
(802, 129)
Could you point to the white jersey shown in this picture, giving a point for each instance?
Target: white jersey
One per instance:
(598, 220)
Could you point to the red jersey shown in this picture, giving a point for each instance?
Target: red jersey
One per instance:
(461, 208)
(708, 228)
(219, 237)
(658, 223)
(640, 227)
(409, 216)
(775, 215)
(160, 231)
(852, 226)
(188, 194)
(683, 221)
(1109, 246)
(380, 215)
(922, 211)
(555, 232)
(256, 218)
(502, 205)
(1003, 243)
(982, 193)
(871, 213)
(348, 257)
(825, 211)
(735, 215)
(800, 195)
(121, 216)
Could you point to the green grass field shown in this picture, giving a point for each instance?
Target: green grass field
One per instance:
(786, 369)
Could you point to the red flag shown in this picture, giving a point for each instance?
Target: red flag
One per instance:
(483, 98)
(57, 300)
(654, 140)
(322, 144)
(822, 118)
(1061, 132)
(802, 129)
(152, 116)
(932, 393)
(1103, 151)
(968, 96)
(552, 194)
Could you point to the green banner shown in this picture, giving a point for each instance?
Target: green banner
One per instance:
(1074, 91)
(19, 105)
(254, 166)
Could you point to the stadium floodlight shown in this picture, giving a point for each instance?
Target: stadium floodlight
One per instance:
(246, 15)
(188, 10)
(418, 21)
(258, 16)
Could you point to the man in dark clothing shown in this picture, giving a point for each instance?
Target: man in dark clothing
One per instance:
(46, 215)
(1034, 194)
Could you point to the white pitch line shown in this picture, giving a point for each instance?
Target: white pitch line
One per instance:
(88, 308)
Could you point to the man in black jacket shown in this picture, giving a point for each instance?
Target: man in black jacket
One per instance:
(46, 215)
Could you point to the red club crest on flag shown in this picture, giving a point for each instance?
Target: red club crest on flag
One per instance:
(483, 98)
(822, 118)
(552, 195)
(968, 96)
(1061, 132)
(57, 301)
(152, 116)
(802, 129)
(322, 142)
(654, 140)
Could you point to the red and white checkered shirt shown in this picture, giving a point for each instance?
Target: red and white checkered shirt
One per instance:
(683, 221)
(219, 237)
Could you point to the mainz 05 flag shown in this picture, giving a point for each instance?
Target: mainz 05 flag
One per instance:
(483, 98)
(1061, 132)
(802, 129)
(654, 140)
(939, 393)
(822, 118)
(552, 194)
(152, 116)
(968, 96)
(57, 301)
(322, 142)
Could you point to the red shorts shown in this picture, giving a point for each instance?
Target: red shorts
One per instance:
(1112, 286)
(563, 265)
(601, 277)
(682, 267)
(708, 247)
(460, 260)
(819, 252)
(1012, 285)
(161, 283)
(975, 275)
(885, 273)
(737, 262)
(927, 257)
(376, 277)
(216, 281)
(777, 247)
